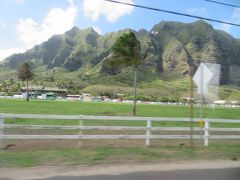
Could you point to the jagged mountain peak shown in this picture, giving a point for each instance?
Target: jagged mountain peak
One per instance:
(92, 31)
(73, 31)
(166, 25)
(172, 48)
(202, 22)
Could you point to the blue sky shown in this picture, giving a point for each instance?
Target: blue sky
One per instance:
(25, 23)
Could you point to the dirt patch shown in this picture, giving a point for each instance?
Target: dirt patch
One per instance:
(57, 144)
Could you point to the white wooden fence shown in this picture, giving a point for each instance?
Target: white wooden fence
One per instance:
(205, 131)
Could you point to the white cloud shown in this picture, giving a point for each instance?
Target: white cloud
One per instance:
(7, 52)
(225, 27)
(57, 21)
(2, 25)
(97, 29)
(95, 8)
(197, 11)
(19, 1)
(235, 18)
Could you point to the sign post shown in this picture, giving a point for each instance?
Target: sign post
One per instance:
(1, 132)
(80, 143)
(202, 77)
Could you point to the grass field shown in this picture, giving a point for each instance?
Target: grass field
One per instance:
(72, 155)
(112, 109)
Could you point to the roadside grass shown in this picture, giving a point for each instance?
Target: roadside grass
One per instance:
(96, 155)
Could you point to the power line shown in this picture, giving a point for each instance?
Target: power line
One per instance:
(222, 3)
(173, 12)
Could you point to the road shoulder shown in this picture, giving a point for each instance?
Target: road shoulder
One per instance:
(39, 172)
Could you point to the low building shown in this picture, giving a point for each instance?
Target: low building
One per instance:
(97, 99)
(48, 96)
(44, 90)
(73, 97)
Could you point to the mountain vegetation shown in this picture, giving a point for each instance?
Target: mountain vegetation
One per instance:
(174, 50)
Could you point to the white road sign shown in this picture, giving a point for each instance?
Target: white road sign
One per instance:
(202, 77)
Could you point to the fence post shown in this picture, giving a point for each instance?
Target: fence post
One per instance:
(148, 132)
(206, 132)
(80, 143)
(1, 132)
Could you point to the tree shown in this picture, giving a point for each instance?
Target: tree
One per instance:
(126, 51)
(11, 82)
(4, 86)
(25, 73)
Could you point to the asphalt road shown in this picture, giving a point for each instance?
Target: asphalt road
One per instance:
(213, 174)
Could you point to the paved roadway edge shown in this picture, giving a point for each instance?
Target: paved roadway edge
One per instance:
(40, 172)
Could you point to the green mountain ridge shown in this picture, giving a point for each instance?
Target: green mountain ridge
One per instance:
(174, 49)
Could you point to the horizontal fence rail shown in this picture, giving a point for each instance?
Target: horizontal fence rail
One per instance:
(204, 131)
(79, 137)
(10, 126)
(123, 118)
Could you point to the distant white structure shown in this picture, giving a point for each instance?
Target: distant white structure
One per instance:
(86, 97)
(17, 96)
(24, 95)
(43, 97)
(235, 102)
(20, 96)
(220, 102)
(154, 32)
(73, 97)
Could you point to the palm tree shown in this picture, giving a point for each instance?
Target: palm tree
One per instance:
(25, 74)
(126, 51)
(11, 82)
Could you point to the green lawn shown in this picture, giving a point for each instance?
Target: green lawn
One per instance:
(113, 109)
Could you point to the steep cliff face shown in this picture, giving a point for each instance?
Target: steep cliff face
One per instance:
(198, 42)
(175, 59)
(173, 50)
